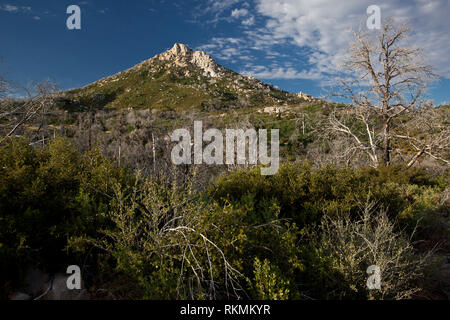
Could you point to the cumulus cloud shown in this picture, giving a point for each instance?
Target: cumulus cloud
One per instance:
(319, 31)
(324, 26)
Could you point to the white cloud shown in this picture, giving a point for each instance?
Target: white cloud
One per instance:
(279, 72)
(9, 8)
(219, 6)
(239, 13)
(13, 8)
(247, 18)
(229, 49)
(323, 26)
(318, 31)
(249, 22)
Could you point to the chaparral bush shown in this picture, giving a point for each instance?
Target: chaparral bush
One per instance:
(340, 251)
(48, 195)
(173, 243)
(301, 233)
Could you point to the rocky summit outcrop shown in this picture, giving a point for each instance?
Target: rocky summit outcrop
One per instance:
(183, 56)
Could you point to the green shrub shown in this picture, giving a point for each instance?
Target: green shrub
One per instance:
(249, 236)
(305, 195)
(341, 250)
(48, 195)
(269, 283)
(173, 243)
(161, 239)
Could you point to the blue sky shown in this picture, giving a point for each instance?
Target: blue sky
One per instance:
(294, 44)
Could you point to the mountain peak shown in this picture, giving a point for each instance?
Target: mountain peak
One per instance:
(182, 56)
(181, 78)
(180, 49)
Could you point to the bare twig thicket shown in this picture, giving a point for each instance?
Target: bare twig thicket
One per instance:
(427, 134)
(372, 240)
(14, 113)
(162, 228)
(386, 79)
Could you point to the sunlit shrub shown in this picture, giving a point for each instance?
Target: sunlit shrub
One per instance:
(269, 283)
(341, 250)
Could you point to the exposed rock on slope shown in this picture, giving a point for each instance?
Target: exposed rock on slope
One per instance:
(180, 78)
(307, 97)
(182, 56)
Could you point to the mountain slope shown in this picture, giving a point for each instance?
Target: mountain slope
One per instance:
(178, 79)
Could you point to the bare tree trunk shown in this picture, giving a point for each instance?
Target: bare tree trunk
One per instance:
(415, 157)
(386, 142)
(154, 153)
(303, 123)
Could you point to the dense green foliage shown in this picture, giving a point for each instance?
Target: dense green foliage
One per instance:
(300, 233)
(46, 196)
(305, 195)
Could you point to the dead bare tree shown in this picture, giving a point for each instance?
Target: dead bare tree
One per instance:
(385, 79)
(15, 113)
